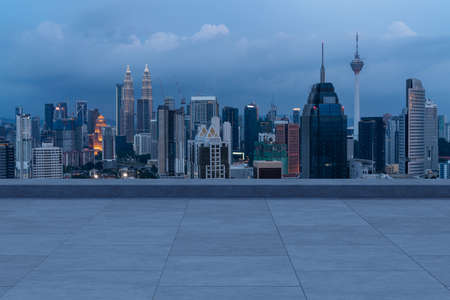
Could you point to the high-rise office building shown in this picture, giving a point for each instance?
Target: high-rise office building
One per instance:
(431, 136)
(108, 144)
(47, 162)
(61, 111)
(171, 141)
(145, 104)
(412, 158)
(35, 132)
(231, 115)
(92, 119)
(293, 148)
(202, 109)
(392, 139)
(441, 126)
(357, 64)
(208, 154)
(296, 115)
(7, 161)
(323, 133)
(127, 107)
(82, 112)
(119, 95)
(65, 134)
(371, 141)
(23, 144)
(272, 114)
(251, 130)
(49, 116)
(143, 116)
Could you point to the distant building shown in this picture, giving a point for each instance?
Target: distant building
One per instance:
(209, 154)
(202, 109)
(431, 137)
(23, 144)
(293, 148)
(412, 158)
(442, 120)
(108, 144)
(171, 141)
(324, 133)
(47, 162)
(98, 134)
(65, 134)
(119, 117)
(296, 115)
(361, 168)
(392, 139)
(7, 161)
(61, 111)
(127, 107)
(82, 112)
(35, 132)
(371, 142)
(92, 119)
(49, 116)
(267, 150)
(250, 130)
(444, 170)
(357, 64)
(231, 115)
(267, 169)
(143, 143)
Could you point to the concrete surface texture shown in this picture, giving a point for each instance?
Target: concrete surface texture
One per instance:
(194, 249)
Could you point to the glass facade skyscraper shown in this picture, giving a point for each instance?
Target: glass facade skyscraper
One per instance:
(251, 130)
(231, 115)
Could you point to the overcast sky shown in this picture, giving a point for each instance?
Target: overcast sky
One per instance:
(239, 50)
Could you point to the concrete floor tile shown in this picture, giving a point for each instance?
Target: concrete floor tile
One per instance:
(227, 293)
(30, 244)
(411, 225)
(229, 271)
(75, 285)
(332, 235)
(107, 257)
(422, 244)
(229, 243)
(350, 258)
(338, 285)
(438, 265)
(14, 267)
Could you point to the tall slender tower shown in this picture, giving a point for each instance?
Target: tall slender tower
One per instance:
(322, 69)
(145, 104)
(357, 64)
(128, 107)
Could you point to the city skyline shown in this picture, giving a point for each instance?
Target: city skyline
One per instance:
(239, 64)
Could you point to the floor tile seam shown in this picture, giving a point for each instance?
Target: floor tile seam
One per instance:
(158, 283)
(45, 257)
(400, 248)
(286, 250)
(230, 286)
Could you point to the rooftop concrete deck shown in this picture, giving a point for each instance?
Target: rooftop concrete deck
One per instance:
(219, 248)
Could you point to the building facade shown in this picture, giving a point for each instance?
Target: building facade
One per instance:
(431, 136)
(231, 115)
(7, 161)
(171, 141)
(372, 134)
(251, 130)
(412, 144)
(143, 143)
(202, 109)
(47, 162)
(23, 144)
(127, 107)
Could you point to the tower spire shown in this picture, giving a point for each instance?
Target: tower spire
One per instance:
(357, 46)
(322, 69)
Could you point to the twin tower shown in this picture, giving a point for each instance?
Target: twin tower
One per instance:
(125, 116)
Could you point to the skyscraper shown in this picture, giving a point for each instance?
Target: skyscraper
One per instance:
(82, 112)
(171, 141)
(7, 162)
(36, 132)
(108, 145)
(372, 133)
(231, 115)
(431, 136)
(357, 64)
(127, 107)
(251, 130)
(61, 111)
(441, 126)
(98, 134)
(49, 116)
(296, 115)
(412, 144)
(203, 108)
(23, 144)
(47, 162)
(324, 133)
(293, 148)
(119, 95)
(392, 139)
(145, 104)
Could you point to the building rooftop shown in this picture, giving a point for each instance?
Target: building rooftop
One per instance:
(223, 248)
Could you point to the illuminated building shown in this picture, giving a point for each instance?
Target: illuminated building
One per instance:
(98, 134)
